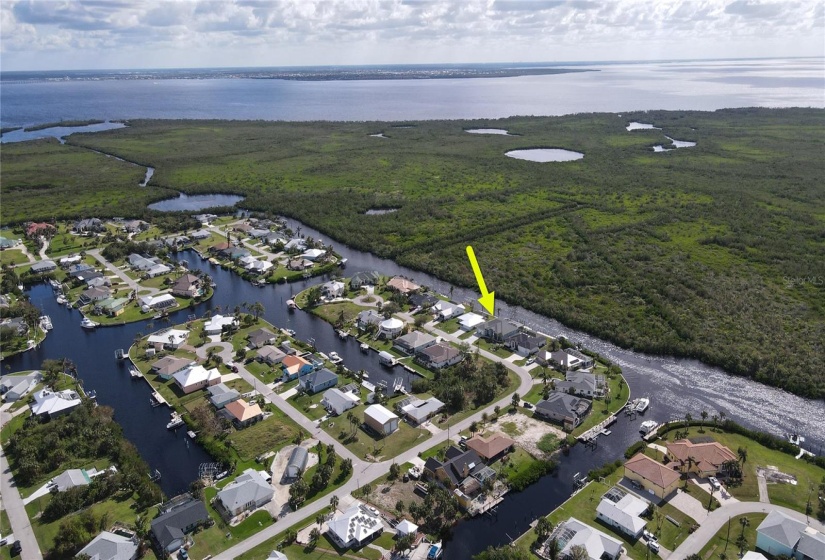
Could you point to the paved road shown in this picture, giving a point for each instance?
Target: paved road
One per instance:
(716, 520)
(120, 274)
(13, 504)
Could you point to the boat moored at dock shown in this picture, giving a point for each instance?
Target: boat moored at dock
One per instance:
(648, 426)
(87, 323)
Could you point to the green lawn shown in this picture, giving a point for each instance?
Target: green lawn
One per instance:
(325, 550)
(12, 257)
(794, 497)
(363, 444)
(269, 435)
(720, 543)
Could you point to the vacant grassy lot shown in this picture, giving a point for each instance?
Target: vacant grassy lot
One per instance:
(711, 252)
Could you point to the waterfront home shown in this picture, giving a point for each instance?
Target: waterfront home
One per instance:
(337, 401)
(17, 324)
(50, 404)
(256, 233)
(110, 546)
(413, 342)
(295, 367)
(261, 337)
(216, 324)
(168, 366)
(177, 241)
(77, 269)
(385, 358)
(111, 306)
(380, 419)
(273, 238)
(563, 408)
(585, 361)
(134, 226)
(390, 328)
(221, 395)
(169, 530)
(402, 285)
(36, 229)
(357, 526)
(333, 289)
(623, 512)
(369, 317)
(270, 355)
(168, 338)
(423, 300)
(219, 248)
(492, 447)
(366, 278)
(246, 493)
(497, 330)
(418, 411)
(43, 267)
(406, 527)
(582, 383)
(469, 321)
(318, 381)
(236, 253)
(782, 535)
(460, 470)
(313, 255)
(652, 476)
(14, 387)
(95, 280)
(196, 377)
(162, 301)
(439, 356)
(244, 228)
(599, 546)
(295, 244)
(446, 310)
(187, 285)
(149, 266)
(205, 218)
(89, 225)
(705, 459)
(242, 414)
(297, 464)
(525, 344)
(258, 266)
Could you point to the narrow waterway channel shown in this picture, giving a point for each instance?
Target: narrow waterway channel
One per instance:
(676, 386)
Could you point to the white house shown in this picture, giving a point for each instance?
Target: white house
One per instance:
(216, 324)
(147, 303)
(624, 515)
(337, 401)
(381, 419)
(169, 338)
(355, 527)
(48, 402)
(14, 387)
(196, 377)
(781, 534)
(333, 289)
(469, 321)
(599, 546)
(448, 309)
(391, 327)
(249, 491)
(313, 254)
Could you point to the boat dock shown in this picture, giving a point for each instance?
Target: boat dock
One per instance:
(596, 430)
(156, 397)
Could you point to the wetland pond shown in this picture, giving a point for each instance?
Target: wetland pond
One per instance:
(544, 155)
(187, 203)
(499, 131)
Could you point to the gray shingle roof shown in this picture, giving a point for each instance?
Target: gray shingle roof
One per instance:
(250, 487)
(781, 528)
(169, 526)
(109, 546)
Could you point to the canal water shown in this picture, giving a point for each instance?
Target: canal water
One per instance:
(676, 386)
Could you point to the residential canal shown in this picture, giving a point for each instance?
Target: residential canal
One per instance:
(676, 386)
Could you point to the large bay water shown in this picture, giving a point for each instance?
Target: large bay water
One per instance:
(703, 85)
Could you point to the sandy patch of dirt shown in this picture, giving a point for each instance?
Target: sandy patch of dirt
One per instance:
(386, 495)
(525, 430)
(278, 505)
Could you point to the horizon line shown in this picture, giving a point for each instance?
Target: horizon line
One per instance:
(424, 64)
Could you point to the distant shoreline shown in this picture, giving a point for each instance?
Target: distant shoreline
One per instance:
(302, 75)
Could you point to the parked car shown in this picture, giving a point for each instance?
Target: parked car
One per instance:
(648, 535)
(528, 405)
(714, 483)
(653, 545)
(16, 548)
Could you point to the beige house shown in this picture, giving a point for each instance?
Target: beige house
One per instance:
(704, 459)
(653, 476)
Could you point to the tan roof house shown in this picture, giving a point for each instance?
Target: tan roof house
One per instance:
(242, 413)
(652, 475)
(491, 447)
(704, 459)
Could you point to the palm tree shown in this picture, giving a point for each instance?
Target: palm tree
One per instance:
(333, 502)
(553, 549)
(314, 535)
(743, 456)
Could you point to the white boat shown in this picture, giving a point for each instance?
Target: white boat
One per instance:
(61, 299)
(605, 432)
(343, 263)
(290, 303)
(175, 422)
(642, 404)
(343, 334)
(54, 284)
(120, 354)
(335, 358)
(365, 347)
(290, 332)
(46, 323)
(648, 426)
(134, 373)
(87, 323)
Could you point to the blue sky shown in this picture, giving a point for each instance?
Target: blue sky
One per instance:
(97, 34)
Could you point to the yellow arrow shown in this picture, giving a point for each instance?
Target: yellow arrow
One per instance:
(487, 299)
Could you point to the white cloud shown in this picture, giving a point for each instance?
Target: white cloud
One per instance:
(145, 33)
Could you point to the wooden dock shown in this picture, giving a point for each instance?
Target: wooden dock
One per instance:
(594, 432)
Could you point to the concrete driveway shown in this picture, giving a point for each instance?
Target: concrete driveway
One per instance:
(722, 495)
(689, 505)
